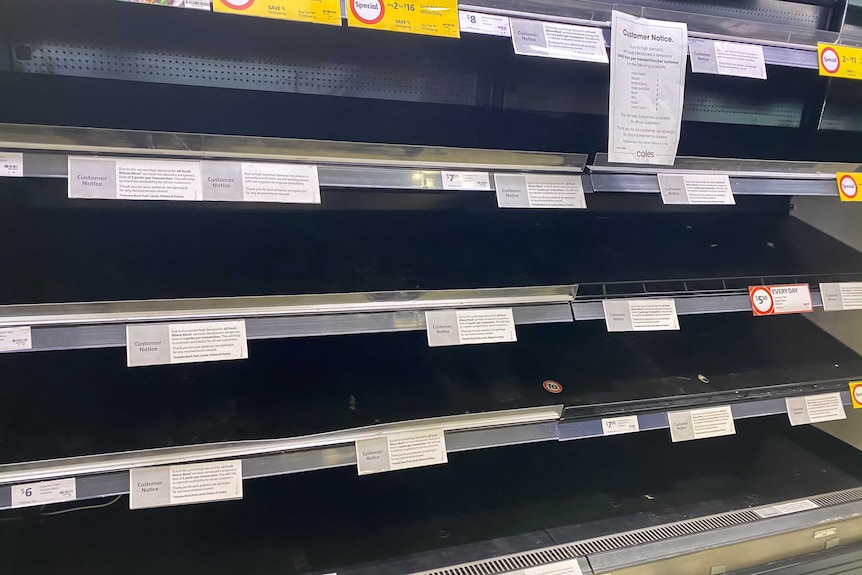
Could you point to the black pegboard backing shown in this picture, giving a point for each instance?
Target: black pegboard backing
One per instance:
(299, 73)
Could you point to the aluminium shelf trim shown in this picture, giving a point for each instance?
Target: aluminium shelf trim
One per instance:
(592, 427)
(194, 309)
(113, 462)
(732, 167)
(90, 141)
(636, 547)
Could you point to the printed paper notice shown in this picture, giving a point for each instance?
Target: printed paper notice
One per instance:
(185, 484)
(287, 183)
(701, 423)
(164, 344)
(780, 299)
(318, 11)
(401, 451)
(785, 508)
(99, 178)
(648, 59)
(464, 327)
(569, 567)
(44, 492)
(537, 191)
(15, 338)
(466, 180)
(815, 408)
(563, 41)
(695, 189)
(640, 315)
(727, 58)
(841, 296)
(478, 23)
(158, 180)
(11, 165)
(620, 425)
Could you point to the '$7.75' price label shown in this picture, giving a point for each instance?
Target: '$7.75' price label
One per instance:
(430, 17)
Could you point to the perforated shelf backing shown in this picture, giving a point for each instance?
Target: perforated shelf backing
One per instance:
(797, 14)
(297, 74)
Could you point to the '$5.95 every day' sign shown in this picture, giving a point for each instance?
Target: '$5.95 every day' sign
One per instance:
(430, 17)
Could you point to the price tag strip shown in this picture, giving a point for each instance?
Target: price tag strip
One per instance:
(429, 17)
(401, 451)
(701, 423)
(648, 62)
(839, 61)
(15, 338)
(538, 191)
(317, 11)
(44, 492)
(562, 41)
(185, 484)
(704, 189)
(620, 425)
(193, 4)
(815, 408)
(856, 394)
(640, 314)
(11, 165)
(726, 58)
(472, 326)
(466, 180)
(841, 296)
(478, 23)
(848, 186)
(786, 508)
(100, 178)
(568, 567)
(171, 343)
(780, 299)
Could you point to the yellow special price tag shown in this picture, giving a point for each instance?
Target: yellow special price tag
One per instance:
(318, 11)
(430, 17)
(856, 394)
(848, 186)
(839, 61)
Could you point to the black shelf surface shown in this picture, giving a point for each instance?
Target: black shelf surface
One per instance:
(158, 251)
(296, 387)
(520, 496)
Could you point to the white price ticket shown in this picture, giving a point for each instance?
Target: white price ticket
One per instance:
(620, 425)
(780, 299)
(15, 338)
(478, 23)
(11, 165)
(466, 180)
(44, 492)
